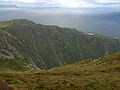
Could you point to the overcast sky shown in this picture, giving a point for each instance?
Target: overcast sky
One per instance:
(65, 3)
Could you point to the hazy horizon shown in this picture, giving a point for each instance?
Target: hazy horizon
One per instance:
(101, 16)
(99, 21)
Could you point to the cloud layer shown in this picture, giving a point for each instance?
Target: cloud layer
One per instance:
(64, 3)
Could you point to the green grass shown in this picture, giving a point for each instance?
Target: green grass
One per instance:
(17, 64)
(2, 26)
(98, 74)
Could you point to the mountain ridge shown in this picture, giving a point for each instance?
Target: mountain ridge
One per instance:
(46, 46)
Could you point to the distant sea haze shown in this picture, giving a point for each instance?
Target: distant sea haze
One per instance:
(107, 23)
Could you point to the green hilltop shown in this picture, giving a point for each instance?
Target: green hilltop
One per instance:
(45, 47)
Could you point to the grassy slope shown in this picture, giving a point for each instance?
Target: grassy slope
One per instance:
(10, 58)
(51, 46)
(98, 74)
(17, 64)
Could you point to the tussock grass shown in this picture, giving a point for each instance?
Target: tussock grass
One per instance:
(98, 74)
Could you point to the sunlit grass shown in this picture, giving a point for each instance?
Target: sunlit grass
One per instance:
(98, 74)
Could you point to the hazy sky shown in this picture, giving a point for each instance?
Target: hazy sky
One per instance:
(65, 3)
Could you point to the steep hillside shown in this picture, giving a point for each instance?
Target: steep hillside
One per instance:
(47, 46)
(10, 58)
(98, 74)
